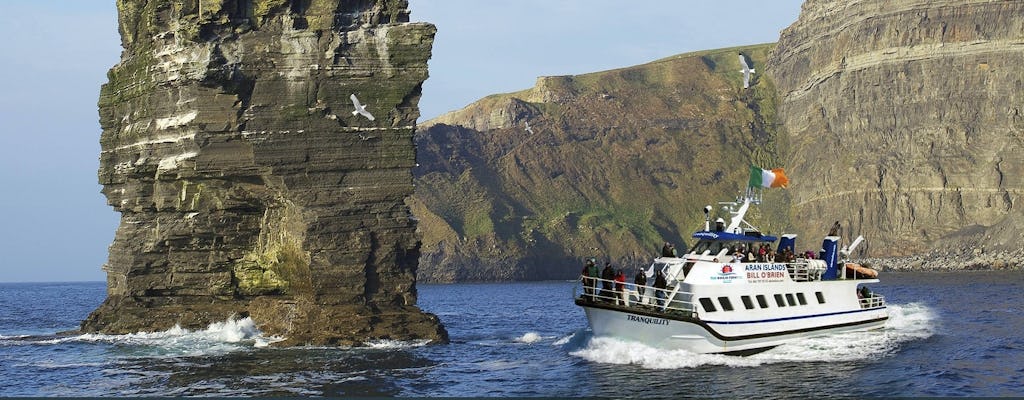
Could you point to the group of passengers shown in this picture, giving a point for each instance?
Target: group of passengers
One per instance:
(764, 253)
(613, 283)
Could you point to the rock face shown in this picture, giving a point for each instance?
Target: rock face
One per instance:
(906, 122)
(246, 186)
(606, 169)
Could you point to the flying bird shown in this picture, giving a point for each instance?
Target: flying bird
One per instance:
(528, 129)
(360, 108)
(746, 71)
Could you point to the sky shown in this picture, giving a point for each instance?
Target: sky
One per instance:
(56, 225)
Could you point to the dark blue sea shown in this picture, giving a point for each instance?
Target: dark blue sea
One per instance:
(950, 334)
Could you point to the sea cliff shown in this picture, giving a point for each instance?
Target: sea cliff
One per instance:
(902, 120)
(905, 124)
(246, 186)
(525, 185)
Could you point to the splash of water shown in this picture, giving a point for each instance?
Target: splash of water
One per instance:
(529, 337)
(906, 323)
(217, 338)
(396, 344)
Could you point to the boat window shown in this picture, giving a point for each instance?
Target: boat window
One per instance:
(800, 297)
(789, 299)
(726, 304)
(821, 298)
(779, 300)
(701, 246)
(708, 305)
(761, 301)
(749, 304)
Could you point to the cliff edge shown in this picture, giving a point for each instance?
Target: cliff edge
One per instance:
(246, 186)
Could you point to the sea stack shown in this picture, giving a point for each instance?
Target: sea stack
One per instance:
(246, 185)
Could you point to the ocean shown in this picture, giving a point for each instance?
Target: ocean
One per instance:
(950, 334)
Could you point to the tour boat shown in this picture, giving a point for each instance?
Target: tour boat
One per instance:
(719, 300)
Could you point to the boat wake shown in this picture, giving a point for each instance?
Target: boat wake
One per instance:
(906, 323)
(217, 338)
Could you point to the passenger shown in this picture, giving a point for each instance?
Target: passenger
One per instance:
(620, 287)
(762, 253)
(659, 287)
(750, 255)
(668, 250)
(585, 279)
(593, 273)
(865, 293)
(607, 277)
(787, 255)
(640, 280)
(737, 254)
(770, 256)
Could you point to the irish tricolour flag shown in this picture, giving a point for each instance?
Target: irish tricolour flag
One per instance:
(768, 178)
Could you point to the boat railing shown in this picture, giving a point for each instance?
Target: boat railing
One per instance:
(668, 300)
(804, 270)
(872, 301)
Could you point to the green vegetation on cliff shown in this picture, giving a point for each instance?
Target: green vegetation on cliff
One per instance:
(617, 162)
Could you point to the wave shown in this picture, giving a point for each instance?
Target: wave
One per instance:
(906, 323)
(529, 338)
(218, 337)
(396, 344)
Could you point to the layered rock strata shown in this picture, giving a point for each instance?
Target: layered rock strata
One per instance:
(246, 186)
(906, 121)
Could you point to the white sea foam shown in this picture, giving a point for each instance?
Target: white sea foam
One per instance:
(396, 344)
(906, 322)
(218, 337)
(529, 337)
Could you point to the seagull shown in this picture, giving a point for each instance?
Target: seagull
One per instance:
(528, 129)
(746, 71)
(360, 108)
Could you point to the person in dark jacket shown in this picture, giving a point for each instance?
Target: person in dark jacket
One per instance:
(640, 280)
(593, 272)
(607, 278)
(588, 279)
(659, 287)
(668, 250)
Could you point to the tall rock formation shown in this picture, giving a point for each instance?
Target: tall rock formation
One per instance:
(612, 164)
(246, 186)
(906, 121)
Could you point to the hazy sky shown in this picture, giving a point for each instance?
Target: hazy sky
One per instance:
(55, 224)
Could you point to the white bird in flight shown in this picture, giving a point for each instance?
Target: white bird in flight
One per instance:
(528, 129)
(746, 71)
(360, 108)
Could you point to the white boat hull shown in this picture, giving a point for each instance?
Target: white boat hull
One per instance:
(731, 337)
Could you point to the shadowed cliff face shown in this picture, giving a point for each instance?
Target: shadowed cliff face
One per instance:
(906, 121)
(607, 168)
(245, 184)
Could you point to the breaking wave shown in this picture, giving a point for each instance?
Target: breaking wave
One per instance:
(217, 338)
(906, 323)
(529, 337)
(396, 344)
